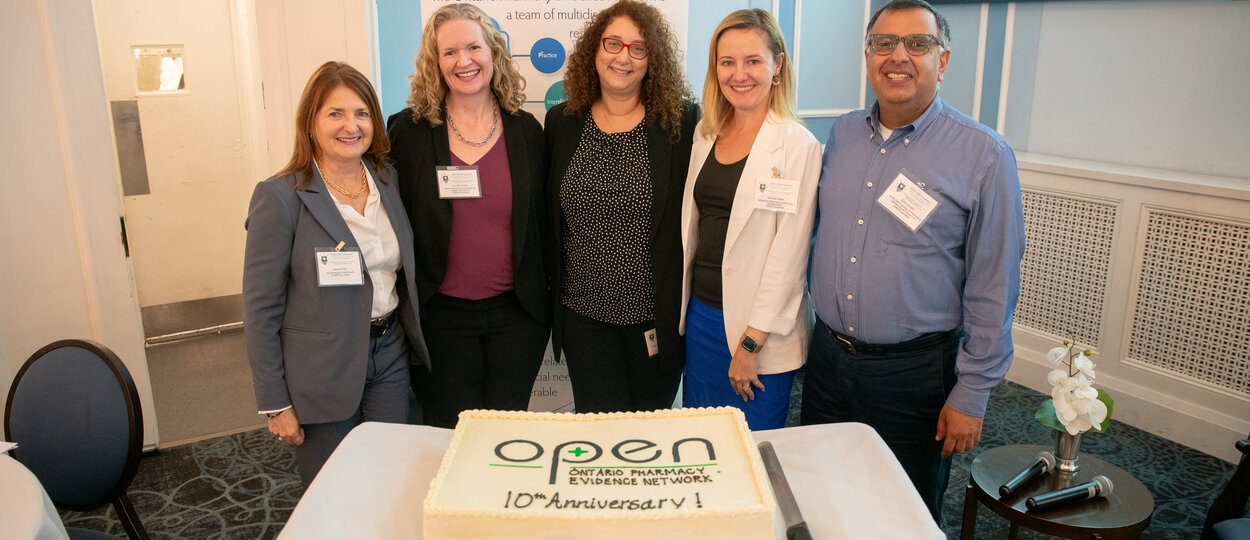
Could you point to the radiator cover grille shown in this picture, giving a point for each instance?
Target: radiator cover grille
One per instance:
(1067, 261)
(1190, 310)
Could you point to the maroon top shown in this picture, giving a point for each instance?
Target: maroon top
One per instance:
(479, 254)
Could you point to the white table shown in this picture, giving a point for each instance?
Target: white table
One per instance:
(25, 510)
(846, 481)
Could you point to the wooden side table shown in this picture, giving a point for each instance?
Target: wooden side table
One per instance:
(1124, 513)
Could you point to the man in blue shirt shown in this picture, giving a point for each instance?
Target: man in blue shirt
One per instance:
(916, 261)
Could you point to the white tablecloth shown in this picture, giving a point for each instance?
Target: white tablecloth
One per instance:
(846, 481)
(25, 510)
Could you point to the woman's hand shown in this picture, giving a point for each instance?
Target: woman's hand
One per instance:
(743, 369)
(743, 374)
(286, 427)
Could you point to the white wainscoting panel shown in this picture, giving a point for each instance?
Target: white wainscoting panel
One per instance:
(1150, 269)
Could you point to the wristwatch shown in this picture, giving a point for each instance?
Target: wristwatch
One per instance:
(750, 344)
(272, 415)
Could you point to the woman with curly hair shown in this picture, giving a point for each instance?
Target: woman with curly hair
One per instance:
(620, 149)
(477, 192)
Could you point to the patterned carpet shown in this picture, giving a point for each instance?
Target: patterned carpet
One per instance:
(1182, 480)
(240, 486)
(244, 486)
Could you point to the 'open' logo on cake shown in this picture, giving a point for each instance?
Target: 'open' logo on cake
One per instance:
(641, 454)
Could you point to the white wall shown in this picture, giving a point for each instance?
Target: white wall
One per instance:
(1129, 104)
(1149, 84)
(64, 273)
(297, 36)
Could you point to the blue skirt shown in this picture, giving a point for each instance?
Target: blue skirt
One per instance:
(707, 373)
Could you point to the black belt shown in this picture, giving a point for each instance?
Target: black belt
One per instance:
(925, 342)
(379, 326)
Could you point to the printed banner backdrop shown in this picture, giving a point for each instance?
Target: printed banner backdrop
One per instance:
(552, 391)
(541, 32)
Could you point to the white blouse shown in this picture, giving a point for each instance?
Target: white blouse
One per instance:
(378, 246)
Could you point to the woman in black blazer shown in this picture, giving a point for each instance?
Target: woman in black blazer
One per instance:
(620, 149)
(485, 309)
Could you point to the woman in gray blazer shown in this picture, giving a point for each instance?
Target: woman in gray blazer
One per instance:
(329, 303)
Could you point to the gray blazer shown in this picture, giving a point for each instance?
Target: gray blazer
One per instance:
(308, 345)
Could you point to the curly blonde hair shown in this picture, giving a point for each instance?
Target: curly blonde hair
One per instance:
(663, 87)
(428, 87)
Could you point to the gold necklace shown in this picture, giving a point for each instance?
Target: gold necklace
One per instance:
(364, 182)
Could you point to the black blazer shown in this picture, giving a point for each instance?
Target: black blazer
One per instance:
(417, 147)
(670, 161)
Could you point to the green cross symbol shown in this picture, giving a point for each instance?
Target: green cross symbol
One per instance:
(577, 452)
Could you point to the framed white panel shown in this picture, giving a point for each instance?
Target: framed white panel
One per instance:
(829, 52)
(1135, 84)
(959, 84)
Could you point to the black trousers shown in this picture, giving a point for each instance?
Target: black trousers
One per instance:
(484, 354)
(900, 395)
(610, 368)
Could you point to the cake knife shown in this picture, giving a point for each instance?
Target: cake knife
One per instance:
(796, 528)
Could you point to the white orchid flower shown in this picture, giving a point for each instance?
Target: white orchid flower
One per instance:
(1081, 423)
(1082, 406)
(1060, 381)
(1098, 413)
(1064, 406)
(1084, 365)
(1057, 355)
(1083, 390)
(1075, 401)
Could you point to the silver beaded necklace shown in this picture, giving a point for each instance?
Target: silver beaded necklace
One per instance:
(493, 126)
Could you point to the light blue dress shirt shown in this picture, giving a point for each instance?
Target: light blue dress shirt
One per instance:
(874, 279)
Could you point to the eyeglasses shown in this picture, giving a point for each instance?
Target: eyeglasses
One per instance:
(637, 51)
(916, 44)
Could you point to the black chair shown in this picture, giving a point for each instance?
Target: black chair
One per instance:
(1230, 504)
(74, 413)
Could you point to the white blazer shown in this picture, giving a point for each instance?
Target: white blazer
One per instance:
(764, 270)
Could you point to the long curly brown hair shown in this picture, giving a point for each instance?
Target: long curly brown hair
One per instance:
(663, 87)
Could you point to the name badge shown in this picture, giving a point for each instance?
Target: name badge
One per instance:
(653, 346)
(338, 268)
(907, 202)
(777, 195)
(458, 182)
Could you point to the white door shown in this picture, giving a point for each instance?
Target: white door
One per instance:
(185, 223)
(65, 274)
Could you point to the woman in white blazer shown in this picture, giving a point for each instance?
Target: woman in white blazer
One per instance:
(747, 213)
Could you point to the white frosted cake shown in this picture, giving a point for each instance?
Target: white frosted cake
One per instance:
(681, 474)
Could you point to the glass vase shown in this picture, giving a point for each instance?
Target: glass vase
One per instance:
(1067, 447)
